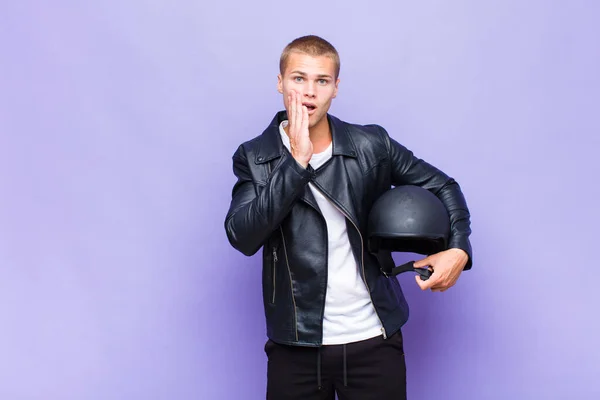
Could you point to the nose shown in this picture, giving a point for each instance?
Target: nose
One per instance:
(310, 90)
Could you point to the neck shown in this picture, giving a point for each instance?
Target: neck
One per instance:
(320, 135)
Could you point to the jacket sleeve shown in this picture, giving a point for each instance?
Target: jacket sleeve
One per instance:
(410, 170)
(253, 217)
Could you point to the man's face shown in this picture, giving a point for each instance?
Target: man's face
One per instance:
(313, 78)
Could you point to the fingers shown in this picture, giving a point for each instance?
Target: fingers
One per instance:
(439, 287)
(298, 118)
(437, 284)
(423, 263)
(429, 283)
(442, 286)
(304, 119)
(298, 110)
(292, 112)
(446, 271)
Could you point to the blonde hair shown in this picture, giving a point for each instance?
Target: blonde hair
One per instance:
(313, 46)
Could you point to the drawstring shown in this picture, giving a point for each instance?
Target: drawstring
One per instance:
(319, 367)
(345, 369)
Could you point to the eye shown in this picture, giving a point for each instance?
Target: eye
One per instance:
(298, 79)
(323, 81)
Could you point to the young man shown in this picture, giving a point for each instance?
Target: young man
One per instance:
(303, 193)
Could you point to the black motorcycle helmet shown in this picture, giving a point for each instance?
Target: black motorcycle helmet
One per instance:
(407, 219)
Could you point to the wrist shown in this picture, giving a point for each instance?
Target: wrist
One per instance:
(302, 161)
(461, 255)
(459, 251)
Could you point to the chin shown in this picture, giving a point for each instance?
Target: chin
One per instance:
(314, 122)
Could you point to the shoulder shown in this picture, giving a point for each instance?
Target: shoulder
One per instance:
(248, 145)
(373, 132)
(242, 152)
(264, 144)
(369, 135)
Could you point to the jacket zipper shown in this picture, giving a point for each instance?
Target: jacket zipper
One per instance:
(287, 263)
(275, 259)
(362, 261)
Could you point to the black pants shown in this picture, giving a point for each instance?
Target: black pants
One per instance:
(369, 369)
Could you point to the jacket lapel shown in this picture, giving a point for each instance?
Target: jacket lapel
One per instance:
(332, 178)
(272, 148)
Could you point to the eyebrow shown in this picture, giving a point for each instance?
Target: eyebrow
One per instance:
(304, 74)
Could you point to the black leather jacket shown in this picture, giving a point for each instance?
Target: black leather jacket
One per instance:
(272, 207)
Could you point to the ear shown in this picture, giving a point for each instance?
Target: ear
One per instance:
(336, 88)
(280, 84)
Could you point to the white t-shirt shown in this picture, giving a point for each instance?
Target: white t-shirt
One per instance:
(349, 313)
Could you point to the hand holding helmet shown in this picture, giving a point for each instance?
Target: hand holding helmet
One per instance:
(412, 219)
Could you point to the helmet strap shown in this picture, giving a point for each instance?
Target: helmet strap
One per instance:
(388, 267)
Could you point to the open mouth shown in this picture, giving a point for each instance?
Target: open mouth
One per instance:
(310, 106)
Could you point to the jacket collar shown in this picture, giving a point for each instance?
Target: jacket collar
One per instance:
(271, 146)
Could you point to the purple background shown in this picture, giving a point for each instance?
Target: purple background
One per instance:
(117, 125)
